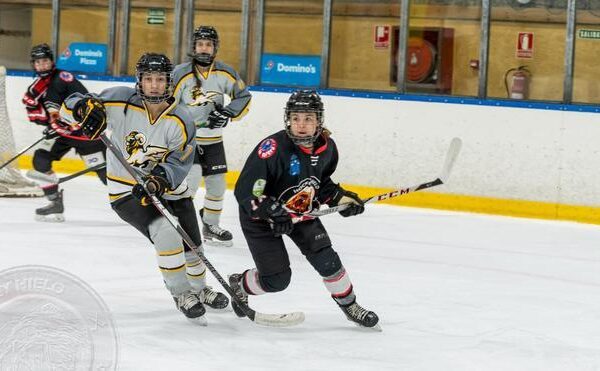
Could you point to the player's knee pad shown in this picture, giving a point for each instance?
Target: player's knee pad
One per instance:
(325, 261)
(215, 185)
(163, 235)
(42, 160)
(275, 282)
(194, 177)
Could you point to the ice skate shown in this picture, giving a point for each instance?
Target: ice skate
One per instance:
(52, 212)
(361, 316)
(215, 235)
(190, 305)
(213, 299)
(235, 281)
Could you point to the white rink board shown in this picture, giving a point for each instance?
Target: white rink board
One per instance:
(509, 153)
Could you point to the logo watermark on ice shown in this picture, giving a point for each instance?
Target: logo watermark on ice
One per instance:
(52, 320)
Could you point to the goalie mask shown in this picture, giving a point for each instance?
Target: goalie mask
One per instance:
(205, 33)
(42, 51)
(304, 101)
(149, 63)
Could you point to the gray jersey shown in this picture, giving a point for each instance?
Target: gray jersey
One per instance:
(167, 140)
(202, 92)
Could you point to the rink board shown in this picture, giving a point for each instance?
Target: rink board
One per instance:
(518, 161)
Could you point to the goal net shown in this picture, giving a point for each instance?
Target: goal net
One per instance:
(12, 183)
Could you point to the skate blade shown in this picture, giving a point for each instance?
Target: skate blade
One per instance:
(210, 309)
(375, 328)
(199, 321)
(216, 243)
(52, 218)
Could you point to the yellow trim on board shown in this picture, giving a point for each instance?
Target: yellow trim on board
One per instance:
(476, 204)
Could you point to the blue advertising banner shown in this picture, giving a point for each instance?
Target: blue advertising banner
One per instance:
(83, 57)
(293, 70)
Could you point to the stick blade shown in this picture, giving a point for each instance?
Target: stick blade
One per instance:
(279, 320)
(451, 156)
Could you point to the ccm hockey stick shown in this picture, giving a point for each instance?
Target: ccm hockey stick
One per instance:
(274, 320)
(453, 151)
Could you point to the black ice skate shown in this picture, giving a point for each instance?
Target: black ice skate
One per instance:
(52, 212)
(361, 316)
(215, 235)
(213, 299)
(190, 305)
(235, 281)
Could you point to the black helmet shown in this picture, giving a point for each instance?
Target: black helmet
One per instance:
(42, 51)
(205, 33)
(304, 101)
(153, 62)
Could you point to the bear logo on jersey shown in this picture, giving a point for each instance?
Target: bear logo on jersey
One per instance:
(140, 153)
(300, 198)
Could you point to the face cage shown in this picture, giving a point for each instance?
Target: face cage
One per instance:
(205, 59)
(303, 140)
(154, 99)
(45, 73)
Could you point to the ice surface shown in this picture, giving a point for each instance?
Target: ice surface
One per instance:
(454, 291)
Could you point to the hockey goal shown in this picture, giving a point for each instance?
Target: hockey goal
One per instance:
(12, 183)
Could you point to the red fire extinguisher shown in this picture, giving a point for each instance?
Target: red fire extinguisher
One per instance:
(519, 87)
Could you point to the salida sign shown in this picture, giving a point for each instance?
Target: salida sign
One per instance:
(83, 57)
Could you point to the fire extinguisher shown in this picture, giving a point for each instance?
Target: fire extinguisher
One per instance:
(519, 87)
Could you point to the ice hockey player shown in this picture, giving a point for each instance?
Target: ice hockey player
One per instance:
(201, 84)
(289, 172)
(156, 137)
(42, 101)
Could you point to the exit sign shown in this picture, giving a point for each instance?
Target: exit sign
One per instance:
(589, 34)
(156, 16)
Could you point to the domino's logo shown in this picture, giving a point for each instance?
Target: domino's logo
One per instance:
(269, 66)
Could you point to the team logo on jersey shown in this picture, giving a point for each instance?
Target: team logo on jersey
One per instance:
(141, 154)
(294, 165)
(202, 98)
(267, 148)
(66, 76)
(300, 198)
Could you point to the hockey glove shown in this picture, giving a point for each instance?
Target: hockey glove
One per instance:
(91, 115)
(50, 133)
(156, 183)
(218, 118)
(357, 206)
(271, 210)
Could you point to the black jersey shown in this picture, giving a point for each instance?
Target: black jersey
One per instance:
(62, 84)
(297, 177)
(48, 93)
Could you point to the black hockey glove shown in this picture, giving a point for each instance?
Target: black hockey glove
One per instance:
(272, 211)
(91, 114)
(156, 183)
(218, 118)
(50, 133)
(357, 206)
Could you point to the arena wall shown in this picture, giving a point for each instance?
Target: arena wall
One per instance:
(537, 162)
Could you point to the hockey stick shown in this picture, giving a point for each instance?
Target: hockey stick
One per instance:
(84, 171)
(21, 152)
(275, 320)
(453, 151)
